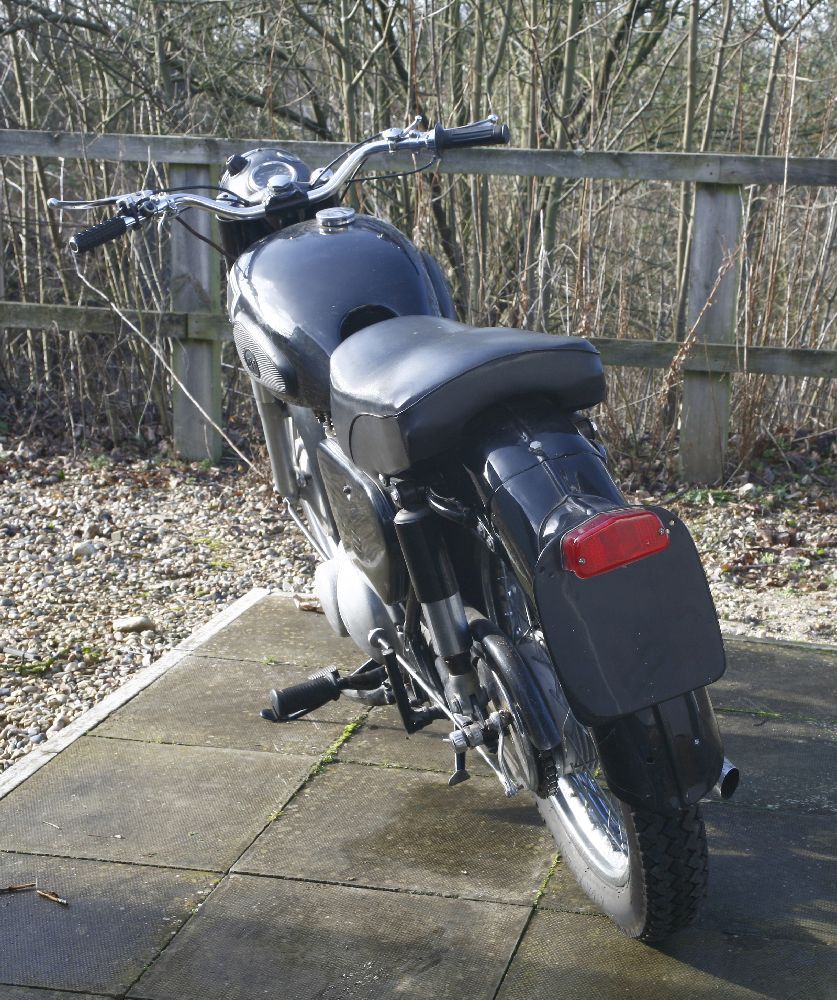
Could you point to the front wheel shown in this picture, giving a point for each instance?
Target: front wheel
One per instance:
(645, 870)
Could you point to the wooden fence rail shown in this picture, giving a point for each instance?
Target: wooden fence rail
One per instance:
(207, 326)
(707, 362)
(701, 168)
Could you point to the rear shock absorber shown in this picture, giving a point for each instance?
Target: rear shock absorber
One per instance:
(431, 572)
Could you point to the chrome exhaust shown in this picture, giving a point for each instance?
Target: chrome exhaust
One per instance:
(727, 783)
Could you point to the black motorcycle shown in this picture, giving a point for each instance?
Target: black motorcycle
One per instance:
(472, 541)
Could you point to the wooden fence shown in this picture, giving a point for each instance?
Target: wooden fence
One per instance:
(196, 328)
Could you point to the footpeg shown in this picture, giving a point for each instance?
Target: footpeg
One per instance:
(299, 699)
(471, 735)
(460, 743)
(327, 685)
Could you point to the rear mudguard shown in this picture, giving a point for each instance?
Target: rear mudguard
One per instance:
(663, 758)
(634, 637)
(632, 649)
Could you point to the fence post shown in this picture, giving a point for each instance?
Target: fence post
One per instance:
(196, 363)
(712, 302)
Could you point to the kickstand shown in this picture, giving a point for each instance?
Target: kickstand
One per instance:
(460, 772)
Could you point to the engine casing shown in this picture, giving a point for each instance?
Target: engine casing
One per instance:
(352, 607)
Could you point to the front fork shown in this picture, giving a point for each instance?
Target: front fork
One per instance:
(276, 424)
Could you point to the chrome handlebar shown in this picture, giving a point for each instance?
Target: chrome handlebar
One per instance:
(149, 203)
(140, 206)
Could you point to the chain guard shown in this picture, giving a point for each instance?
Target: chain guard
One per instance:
(522, 762)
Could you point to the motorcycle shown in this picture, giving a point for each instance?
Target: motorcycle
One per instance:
(471, 538)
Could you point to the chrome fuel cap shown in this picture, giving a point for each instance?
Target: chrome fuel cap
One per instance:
(335, 218)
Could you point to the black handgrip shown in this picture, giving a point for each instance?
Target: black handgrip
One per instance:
(305, 697)
(104, 232)
(479, 134)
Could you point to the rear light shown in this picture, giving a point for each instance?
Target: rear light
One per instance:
(610, 540)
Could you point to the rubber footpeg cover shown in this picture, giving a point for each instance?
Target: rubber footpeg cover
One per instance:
(299, 699)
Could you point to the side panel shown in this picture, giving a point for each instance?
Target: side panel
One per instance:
(634, 637)
(365, 521)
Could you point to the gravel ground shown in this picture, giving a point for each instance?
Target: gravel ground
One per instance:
(107, 564)
(770, 555)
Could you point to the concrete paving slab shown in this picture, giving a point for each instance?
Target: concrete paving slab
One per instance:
(383, 740)
(275, 628)
(769, 873)
(26, 766)
(216, 703)
(432, 882)
(401, 829)
(260, 937)
(25, 993)
(120, 800)
(773, 677)
(563, 893)
(118, 919)
(580, 957)
(784, 765)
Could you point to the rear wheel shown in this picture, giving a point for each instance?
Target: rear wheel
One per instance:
(645, 870)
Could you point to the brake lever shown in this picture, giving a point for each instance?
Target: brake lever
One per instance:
(79, 206)
(395, 136)
(124, 202)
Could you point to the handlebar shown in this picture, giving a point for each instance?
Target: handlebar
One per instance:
(104, 232)
(139, 206)
(486, 133)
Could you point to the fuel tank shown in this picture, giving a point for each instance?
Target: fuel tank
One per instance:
(297, 294)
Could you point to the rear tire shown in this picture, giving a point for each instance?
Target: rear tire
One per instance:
(647, 871)
(665, 875)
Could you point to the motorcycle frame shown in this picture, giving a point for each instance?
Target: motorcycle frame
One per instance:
(509, 502)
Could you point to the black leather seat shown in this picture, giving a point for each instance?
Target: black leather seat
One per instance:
(402, 390)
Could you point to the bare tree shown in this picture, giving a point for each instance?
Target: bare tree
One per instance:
(754, 76)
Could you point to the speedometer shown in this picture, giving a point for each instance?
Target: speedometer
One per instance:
(262, 172)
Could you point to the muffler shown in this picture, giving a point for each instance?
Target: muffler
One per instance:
(727, 783)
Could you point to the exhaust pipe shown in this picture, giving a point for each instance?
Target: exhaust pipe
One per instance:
(727, 783)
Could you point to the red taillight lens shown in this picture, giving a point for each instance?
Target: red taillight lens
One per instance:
(613, 539)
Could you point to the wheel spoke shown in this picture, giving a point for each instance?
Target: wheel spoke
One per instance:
(587, 810)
